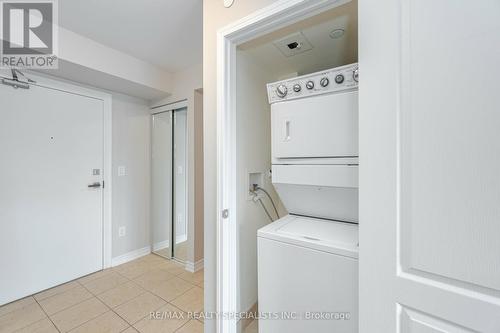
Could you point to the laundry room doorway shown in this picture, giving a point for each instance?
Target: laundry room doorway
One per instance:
(289, 40)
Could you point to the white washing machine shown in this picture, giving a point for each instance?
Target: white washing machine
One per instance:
(308, 276)
(308, 260)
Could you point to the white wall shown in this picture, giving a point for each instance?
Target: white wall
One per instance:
(253, 145)
(183, 85)
(118, 70)
(215, 16)
(131, 193)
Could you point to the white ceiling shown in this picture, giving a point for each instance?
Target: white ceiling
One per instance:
(166, 33)
(325, 53)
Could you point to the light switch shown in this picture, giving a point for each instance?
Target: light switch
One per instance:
(122, 171)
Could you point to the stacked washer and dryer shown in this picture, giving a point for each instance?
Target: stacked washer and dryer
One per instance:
(308, 260)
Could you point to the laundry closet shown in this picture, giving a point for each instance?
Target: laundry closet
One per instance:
(297, 174)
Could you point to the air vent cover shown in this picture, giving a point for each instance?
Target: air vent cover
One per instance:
(293, 44)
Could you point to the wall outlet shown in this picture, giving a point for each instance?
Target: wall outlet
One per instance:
(122, 231)
(122, 171)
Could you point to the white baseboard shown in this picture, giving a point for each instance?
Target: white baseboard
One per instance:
(194, 267)
(164, 244)
(161, 245)
(130, 256)
(181, 238)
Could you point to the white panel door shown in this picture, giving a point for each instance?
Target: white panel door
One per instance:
(429, 166)
(50, 220)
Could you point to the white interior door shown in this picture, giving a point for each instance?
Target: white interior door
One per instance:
(429, 166)
(51, 222)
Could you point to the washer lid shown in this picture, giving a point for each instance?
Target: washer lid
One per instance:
(319, 234)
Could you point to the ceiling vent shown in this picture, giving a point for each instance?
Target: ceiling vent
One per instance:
(293, 44)
(337, 33)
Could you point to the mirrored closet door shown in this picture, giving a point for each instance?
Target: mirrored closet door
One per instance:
(180, 185)
(161, 183)
(169, 184)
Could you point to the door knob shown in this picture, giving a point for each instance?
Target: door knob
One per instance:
(95, 185)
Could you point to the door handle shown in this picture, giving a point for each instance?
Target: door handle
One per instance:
(95, 185)
(287, 130)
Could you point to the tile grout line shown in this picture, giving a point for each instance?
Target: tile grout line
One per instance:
(172, 298)
(116, 313)
(91, 296)
(95, 296)
(46, 314)
(16, 309)
(182, 312)
(130, 300)
(73, 328)
(155, 309)
(187, 322)
(113, 309)
(61, 292)
(129, 326)
(68, 307)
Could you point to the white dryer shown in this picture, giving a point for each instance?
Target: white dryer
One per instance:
(314, 134)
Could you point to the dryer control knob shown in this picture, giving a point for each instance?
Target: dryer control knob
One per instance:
(297, 87)
(324, 82)
(355, 74)
(309, 85)
(339, 78)
(281, 90)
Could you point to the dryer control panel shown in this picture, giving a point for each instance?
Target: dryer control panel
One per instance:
(327, 81)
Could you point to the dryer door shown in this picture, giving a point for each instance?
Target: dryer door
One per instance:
(319, 126)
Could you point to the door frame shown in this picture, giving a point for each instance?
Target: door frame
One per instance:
(268, 19)
(72, 88)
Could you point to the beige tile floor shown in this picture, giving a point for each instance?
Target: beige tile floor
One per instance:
(118, 299)
(253, 327)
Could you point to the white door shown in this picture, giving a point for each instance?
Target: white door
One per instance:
(319, 126)
(429, 166)
(51, 225)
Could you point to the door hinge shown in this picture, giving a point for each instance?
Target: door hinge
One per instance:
(103, 184)
(225, 213)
